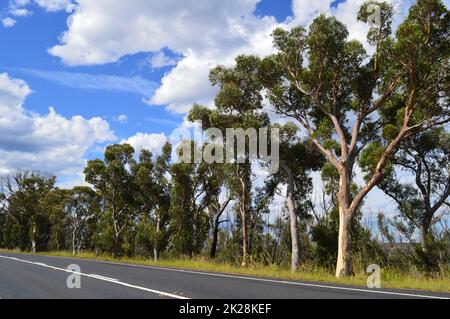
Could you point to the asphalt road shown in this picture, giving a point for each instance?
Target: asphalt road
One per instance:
(38, 277)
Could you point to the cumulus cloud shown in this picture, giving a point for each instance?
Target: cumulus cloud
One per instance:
(104, 30)
(150, 142)
(305, 10)
(49, 143)
(203, 33)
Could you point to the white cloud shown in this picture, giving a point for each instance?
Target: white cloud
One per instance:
(102, 31)
(151, 142)
(50, 143)
(48, 5)
(185, 84)
(306, 10)
(8, 22)
(203, 33)
(122, 118)
(55, 5)
(20, 12)
(19, 8)
(18, 3)
(160, 60)
(88, 81)
(188, 82)
(13, 92)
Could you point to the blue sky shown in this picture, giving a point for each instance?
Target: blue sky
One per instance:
(114, 70)
(24, 54)
(24, 50)
(113, 90)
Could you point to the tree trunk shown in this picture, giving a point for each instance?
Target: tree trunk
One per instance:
(115, 246)
(423, 238)
(343, 265)
(293, 221)
(243, 178)
(245, 253)
(74, 250)
(424, 231)
(33, 238)
(423, 235)
(156, 243)
(251, 227)
(215, 237)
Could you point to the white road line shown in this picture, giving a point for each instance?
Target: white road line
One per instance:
(111, 280)
(261, 279)
(103, 277)
(293, 283)
(272, 280)
(39, 264)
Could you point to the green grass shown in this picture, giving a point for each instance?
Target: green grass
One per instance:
(390, 278)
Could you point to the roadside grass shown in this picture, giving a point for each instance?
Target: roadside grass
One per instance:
(389, 278)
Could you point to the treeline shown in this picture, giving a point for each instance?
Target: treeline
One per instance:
(384, 115)
(153, 208)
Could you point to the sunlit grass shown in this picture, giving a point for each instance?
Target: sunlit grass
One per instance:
(390, 278)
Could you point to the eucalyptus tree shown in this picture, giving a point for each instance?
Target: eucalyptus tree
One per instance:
(220, 200)
(196, 187)
(113, 179)
(426, 159)
(153, 195)
(82, 207)
(350, 102)
(162, 198)
(54, 206)
(297, 159)
(3, 210)
(239, 105)
(216, 210)
(27, 222)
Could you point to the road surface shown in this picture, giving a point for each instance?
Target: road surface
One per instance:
(36, 277)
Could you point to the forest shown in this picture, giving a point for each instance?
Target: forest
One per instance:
(357, 119)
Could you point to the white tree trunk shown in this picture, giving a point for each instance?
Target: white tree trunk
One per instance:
(343, 265)
(74, 248)
(155, 245)
(33, 238)
(293, 221)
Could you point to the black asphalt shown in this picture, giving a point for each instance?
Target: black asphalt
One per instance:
(21, 278)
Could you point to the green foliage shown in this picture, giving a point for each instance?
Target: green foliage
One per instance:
(427, 157)
(195, 188)
(83, 208)
(325, 237)
(113, 179)
(370, 157)
(383, 30)
(27, 222)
